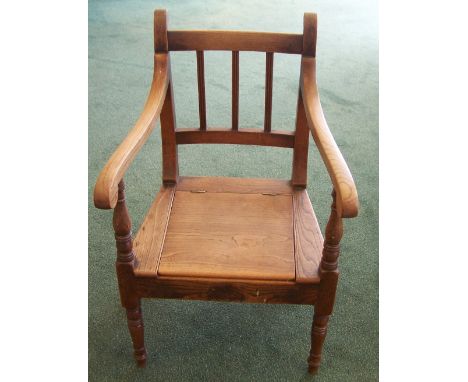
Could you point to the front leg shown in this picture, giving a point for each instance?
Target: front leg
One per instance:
(135, 326)
(124, 266)
(328, 282)
(319, 331)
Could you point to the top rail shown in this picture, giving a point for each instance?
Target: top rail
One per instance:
(235, 41)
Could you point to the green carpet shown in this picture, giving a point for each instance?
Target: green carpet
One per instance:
(191, 341)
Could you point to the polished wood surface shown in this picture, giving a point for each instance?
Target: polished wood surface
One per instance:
(243, 136)
(236, 185)
(343, 183)
(235, 90)
(308, 240)
(229, 235)
(170, 164)
(122, 227)
(301, 141)
(160, 31)
(136, 329)
(149, 240)
(268, 91)
(124, 267)
(309, 41)
(230, 239)
(271, 231)
(301, 146)
(328, 272)
(317, 339)
(235, 41)
(213, 289)
(201, 89)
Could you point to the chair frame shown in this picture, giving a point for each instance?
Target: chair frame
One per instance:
(109, 191)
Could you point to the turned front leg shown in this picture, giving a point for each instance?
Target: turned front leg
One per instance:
(319, 331)
(124, 266)
(135, 326)
(328, 281)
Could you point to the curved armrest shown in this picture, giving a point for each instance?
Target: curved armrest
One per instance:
(347, 202)
(105, 191)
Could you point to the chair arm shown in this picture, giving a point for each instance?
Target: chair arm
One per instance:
(347, 202)
(105, 191)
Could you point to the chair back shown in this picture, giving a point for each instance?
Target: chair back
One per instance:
(236, 41)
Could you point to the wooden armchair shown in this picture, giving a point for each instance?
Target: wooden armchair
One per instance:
(230, 239)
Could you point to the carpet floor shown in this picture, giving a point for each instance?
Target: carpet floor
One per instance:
(191, 341)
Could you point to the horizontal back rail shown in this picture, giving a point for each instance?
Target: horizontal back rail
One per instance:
(235, 41)
(244, 136)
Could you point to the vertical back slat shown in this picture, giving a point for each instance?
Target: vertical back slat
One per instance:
(201, 89)
(235, 90)
(268, 90)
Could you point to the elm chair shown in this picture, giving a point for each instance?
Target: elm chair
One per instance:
(230, 239)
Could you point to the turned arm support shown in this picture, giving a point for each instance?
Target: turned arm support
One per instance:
(347, 203)
(106, 189)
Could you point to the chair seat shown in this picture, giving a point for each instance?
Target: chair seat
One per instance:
(230, 228)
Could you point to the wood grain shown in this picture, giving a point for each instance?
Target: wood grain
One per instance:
(235, 185)
(230, 239)
(244, 136)
(234, 41)
(308, 240)
(105, 191)
(343, 183)
(149, 240)
(268, 91)
(228, 235)
(249, 291)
